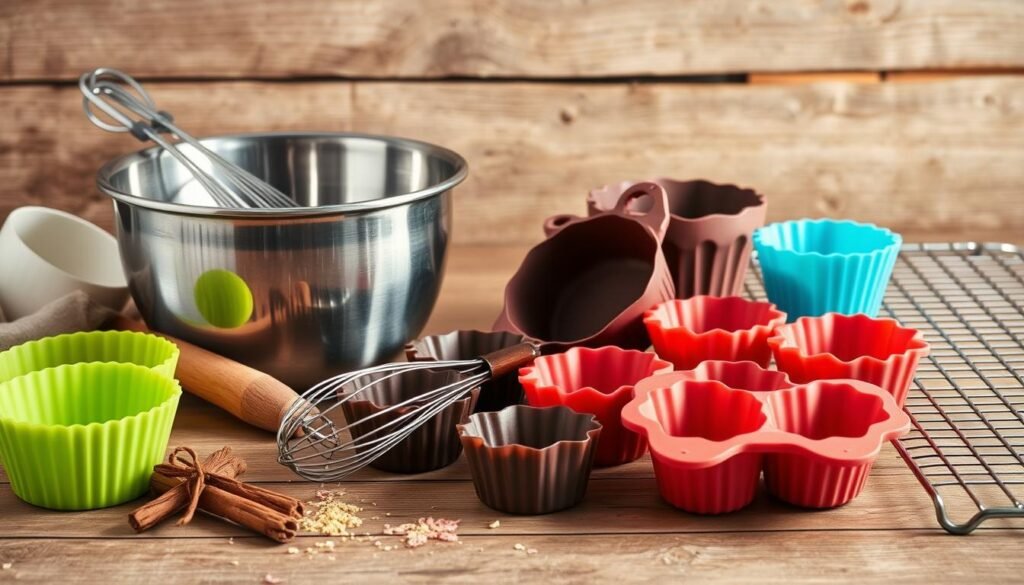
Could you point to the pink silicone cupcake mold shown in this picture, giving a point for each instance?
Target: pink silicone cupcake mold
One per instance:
(709, 442)
(834, 346)
(599, 382)
(687, 332)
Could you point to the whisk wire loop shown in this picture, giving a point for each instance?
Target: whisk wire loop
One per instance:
(119, 96)
(312, 445)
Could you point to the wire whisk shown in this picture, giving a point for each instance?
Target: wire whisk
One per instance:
(311, 444)
(120, 96)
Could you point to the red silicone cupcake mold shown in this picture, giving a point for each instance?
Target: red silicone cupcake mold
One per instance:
(687, 332)
(709, 442)
(739, 375)
(599, 382)
(834, 346)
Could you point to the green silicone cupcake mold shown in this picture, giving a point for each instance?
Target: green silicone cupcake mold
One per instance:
(94, 346)
(87, 435)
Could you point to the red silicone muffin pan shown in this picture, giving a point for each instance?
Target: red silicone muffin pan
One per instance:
(878, 351)
(815, 442)
(687, 332)
(599, 382)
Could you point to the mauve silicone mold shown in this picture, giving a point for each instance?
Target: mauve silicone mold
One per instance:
(470, 344)
(709, 442)
(432, 446)
(687, 332)
(527, 460)
(599, 382)
(878, 351)
(708, 242)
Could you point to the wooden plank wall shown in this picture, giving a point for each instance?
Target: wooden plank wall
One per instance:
(908, 113)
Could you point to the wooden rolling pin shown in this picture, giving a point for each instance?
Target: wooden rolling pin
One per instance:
(254, 397)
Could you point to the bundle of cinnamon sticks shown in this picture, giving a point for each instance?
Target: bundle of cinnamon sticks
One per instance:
(185, 483)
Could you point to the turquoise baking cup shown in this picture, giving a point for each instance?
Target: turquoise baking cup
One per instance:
(813, 267)
(85, 436)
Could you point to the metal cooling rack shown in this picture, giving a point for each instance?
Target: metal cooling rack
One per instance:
(966, 445)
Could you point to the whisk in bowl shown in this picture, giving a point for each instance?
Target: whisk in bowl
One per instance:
(120, 96)
(312, 445)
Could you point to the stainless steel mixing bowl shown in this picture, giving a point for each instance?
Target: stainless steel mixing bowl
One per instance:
(301, 293)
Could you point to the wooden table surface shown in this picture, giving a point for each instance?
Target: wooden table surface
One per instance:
(622, 531)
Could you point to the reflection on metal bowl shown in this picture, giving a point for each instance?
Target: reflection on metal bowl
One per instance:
(338, 282)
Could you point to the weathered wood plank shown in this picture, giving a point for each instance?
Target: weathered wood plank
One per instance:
(942, 156)
(59, 39)
(859, 557)
(49, 152)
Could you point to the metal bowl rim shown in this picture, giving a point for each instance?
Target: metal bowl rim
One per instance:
(119, 163)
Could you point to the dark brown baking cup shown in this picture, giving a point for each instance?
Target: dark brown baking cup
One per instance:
(471, 344)
(433, 445)
(527, 460)
(708, 242)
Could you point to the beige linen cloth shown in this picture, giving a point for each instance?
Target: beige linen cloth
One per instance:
(73, 312)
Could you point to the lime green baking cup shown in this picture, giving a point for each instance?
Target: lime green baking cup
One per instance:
(94, 346)
(85, 436)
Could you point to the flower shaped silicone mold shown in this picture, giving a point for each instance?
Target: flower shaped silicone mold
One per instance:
(687, 332)
(599, 382)
(709, 442)
(833, 346)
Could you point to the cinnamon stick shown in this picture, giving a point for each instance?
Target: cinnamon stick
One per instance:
(286, 505)
(175, 494)
(248, 513)
(216, 491)
(280, 503)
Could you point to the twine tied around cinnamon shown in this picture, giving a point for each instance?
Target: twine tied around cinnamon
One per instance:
(193, 474)
(185, 483)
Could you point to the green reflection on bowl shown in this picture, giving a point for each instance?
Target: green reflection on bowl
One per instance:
(223, 298)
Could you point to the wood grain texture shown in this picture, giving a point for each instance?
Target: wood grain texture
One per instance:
(942, 156)
(882, 557)
(622, 506)
(59, 39)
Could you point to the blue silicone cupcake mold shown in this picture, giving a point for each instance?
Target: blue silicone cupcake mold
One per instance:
(813, 267)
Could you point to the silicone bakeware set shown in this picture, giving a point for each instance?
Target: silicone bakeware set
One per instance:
(658, 262)
(662, 262)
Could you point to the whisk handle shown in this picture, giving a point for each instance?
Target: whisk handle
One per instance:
(510, 359)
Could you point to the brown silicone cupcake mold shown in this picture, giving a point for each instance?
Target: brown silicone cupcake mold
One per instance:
(527, 460)
(708, 242)
(431, 446)
(591, 281)
(470, 344)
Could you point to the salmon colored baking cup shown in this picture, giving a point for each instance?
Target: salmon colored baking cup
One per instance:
(709, 442)
(527, 460)
(687, 332)
(598, 382)
(433, 445)
(470, 344)
(833, 346)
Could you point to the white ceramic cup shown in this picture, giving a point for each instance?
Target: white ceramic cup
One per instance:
(46, 254)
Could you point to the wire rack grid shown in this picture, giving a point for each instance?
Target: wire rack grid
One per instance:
(966, 444)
